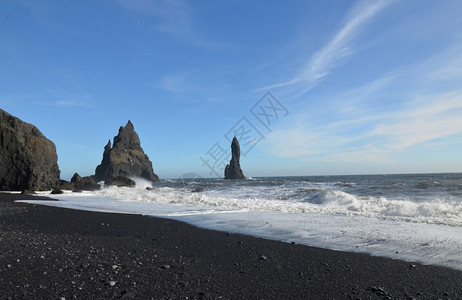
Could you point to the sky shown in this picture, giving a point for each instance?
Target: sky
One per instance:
(308, 87)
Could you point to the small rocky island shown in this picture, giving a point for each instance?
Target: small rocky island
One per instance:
(28, 160)
(125, 158)
(233, 169)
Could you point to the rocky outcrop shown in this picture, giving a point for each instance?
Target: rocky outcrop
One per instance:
(233, 169)
(56, 192)
(28, 160)
(75, 179)
(125, 158)
(66, 185)
(120, 181)
(86, 183)
(27, 192)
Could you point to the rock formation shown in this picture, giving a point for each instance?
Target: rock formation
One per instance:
(28, 160)
(86, 183)
(66, 185)
(56, 192)
(125, 158)
(233, 169)
(120, 181)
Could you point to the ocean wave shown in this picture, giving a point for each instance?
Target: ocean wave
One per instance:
(435, 204)
(305, 200)
(345, 184)
(438, 212)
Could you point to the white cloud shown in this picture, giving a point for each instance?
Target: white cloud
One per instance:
(428, 119)
(339, 47)
(295, 142)
(174, 17)
(176, 83)
(196, 87)
(63, 98)
(52, 97)
(413, 106)
(421, 122)
(447, 65)
(67, 103)
(367, 153)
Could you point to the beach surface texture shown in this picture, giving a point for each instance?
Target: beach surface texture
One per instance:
(56, 253)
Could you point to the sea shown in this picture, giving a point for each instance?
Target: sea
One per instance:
(412, 217)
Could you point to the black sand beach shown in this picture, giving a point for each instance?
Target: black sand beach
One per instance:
(54, 253)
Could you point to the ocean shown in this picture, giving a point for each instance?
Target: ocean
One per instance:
(413, 217)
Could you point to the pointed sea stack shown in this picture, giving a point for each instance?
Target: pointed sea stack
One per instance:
(233, 169)
(125, 158)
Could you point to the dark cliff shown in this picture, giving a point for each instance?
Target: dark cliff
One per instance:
(28, 160)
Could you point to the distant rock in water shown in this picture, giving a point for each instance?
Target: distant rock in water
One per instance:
(56, 192)
(233, 169)
(76, 178)
(120, 181)
(66, 185)
(27, 192)
(125, 158)
(28, 160)
(86, 183)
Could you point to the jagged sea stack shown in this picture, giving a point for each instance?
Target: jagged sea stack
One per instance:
(28, 160)
(233, 169)
(125, 158)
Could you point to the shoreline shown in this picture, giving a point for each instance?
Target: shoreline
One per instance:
(50, 252)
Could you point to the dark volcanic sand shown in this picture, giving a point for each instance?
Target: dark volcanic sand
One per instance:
(49, 253)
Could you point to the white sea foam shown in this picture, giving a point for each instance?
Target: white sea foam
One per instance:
(142, 183)
(324, 214)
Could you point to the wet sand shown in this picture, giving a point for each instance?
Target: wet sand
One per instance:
(53, 253)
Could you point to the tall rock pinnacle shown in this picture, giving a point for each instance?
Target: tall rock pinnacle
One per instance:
(125, 158)
(233, 169)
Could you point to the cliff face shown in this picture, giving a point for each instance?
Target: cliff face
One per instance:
(125, 158)
(28, 160)
(233, 169)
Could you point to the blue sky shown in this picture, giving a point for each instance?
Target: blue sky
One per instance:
(356, 87)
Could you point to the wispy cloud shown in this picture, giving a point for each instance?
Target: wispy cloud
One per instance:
(367, 153)
(63, 98)
(66, 103)
(447, 65)
(72, 103)
(366, 123)
(339, 47)
(175, 83)
(413, 105)
(428, 119)
(296, 142)
(196, 87)
(422, 121)
(51, 97)
(359, 99)
(174, 17)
